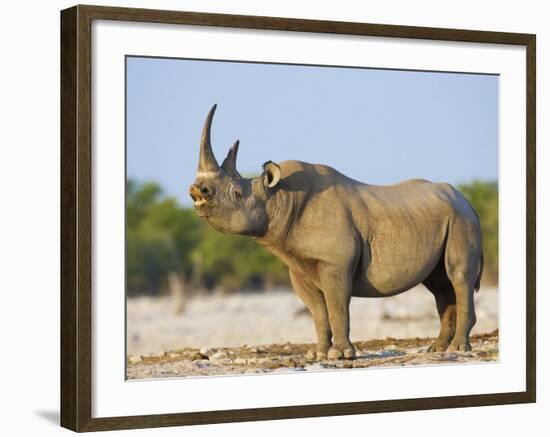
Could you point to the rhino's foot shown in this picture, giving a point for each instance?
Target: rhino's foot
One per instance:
(321, 355)
(318, 355)
(438, 346)
(349, 354)
(459, 347)
(336, 353)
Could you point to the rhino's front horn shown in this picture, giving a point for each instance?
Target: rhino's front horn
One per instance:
(207, 160)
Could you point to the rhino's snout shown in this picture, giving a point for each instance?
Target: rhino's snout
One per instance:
(200, 194)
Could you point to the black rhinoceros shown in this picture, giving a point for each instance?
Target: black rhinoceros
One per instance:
(341, 238)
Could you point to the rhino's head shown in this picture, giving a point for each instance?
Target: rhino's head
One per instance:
(229, 202)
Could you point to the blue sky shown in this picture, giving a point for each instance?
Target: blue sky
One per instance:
(376, 126)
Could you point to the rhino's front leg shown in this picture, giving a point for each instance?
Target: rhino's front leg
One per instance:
(315, 302)
(337, 287)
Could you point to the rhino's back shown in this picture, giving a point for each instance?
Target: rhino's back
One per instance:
(311, 179)
(415, 200)
(318, 180)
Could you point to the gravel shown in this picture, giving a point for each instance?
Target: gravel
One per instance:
(292, 358)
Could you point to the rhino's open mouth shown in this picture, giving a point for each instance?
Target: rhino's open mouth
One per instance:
(196, 195)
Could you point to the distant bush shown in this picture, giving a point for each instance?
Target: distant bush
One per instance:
(159, 238)
(163, 238)
(484, 198)
(233, 262)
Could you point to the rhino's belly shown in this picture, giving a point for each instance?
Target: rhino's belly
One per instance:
(392, 269)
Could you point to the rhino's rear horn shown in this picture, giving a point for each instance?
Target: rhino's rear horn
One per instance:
(207, 160)
(230, 162)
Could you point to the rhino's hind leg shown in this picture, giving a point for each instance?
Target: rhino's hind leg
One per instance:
(439, 285)
(465, 316)
(315, 303)
(446, 307)
(462, 264)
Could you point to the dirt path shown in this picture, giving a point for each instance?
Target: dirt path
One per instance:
(291, 358)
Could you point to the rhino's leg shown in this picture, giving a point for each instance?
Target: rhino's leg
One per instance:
(337, 289)
(462, 257)
(315, 303)
(446, 307)
(465, 316)
(440, 286)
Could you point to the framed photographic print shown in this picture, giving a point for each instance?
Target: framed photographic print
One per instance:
(339, 216)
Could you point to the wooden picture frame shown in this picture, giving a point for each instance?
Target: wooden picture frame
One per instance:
(76, 217)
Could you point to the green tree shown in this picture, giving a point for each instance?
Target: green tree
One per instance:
(159, 237)
(484, 198)
(162, 238)
(233, 262)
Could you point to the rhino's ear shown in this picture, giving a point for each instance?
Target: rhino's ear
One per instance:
(271, 175)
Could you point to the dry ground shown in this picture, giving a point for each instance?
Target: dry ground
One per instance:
(292, 358)
(270, 332)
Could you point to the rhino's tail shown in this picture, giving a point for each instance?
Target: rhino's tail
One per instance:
(478, 279)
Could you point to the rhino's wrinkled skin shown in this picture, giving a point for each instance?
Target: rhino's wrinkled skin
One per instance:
(342, 238)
